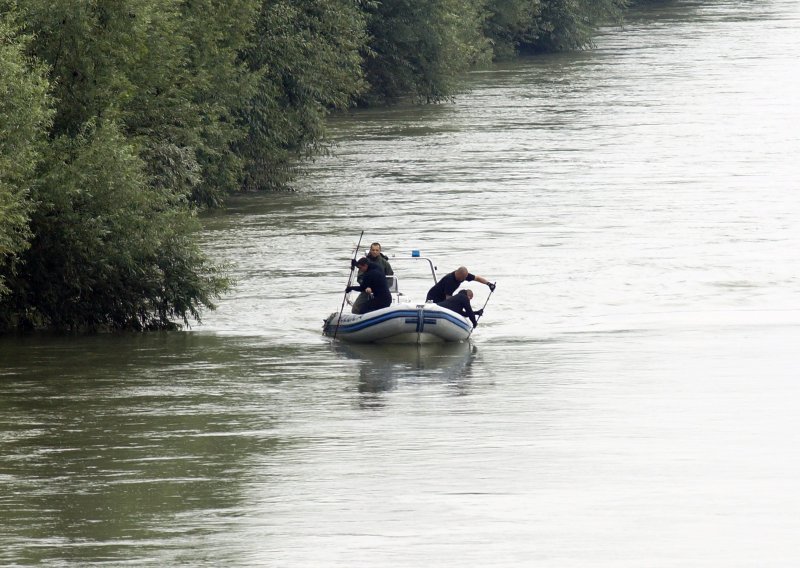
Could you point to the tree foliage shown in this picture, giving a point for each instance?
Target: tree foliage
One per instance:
(25, 115)
(510, 24)
(570, 24)
(108, 250)
(539, 26)
(110, 221)
(419, 48)
(307, 57)
(219, 85)
(167, 71)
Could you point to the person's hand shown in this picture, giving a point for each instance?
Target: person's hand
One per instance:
(353, 263)
(474, 325)
(348, 289)
(479, 312)
(491, 286)
(368, 291)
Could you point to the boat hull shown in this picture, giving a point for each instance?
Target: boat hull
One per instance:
(399, 323)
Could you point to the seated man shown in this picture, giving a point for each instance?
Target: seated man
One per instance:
(376, 256)
(445, 287)
(460, 305)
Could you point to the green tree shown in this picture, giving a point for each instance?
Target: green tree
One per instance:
(108, 251)
(219, 85)
(420, 48)
(510, 24)
(111, 228)
(307, 56)
(167, 71)
(540, 26)
(570, 24)
(25, 116)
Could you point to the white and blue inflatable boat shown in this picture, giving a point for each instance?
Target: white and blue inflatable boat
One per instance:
(401, 322)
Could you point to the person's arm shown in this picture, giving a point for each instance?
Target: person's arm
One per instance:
(361, 286)
(469, 313)
(483, 280)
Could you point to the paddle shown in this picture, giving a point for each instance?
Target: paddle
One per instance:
(478, 318)
(349, 280)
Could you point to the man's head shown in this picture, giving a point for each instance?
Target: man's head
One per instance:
(374, 250)
(362, 264)
(468, 293)
(461, 273)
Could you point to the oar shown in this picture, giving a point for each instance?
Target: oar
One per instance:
(477, 319)
(349, 280)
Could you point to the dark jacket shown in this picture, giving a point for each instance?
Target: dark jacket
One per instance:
(381, 260)
(445, 287)
(460, 305)
(375, 279)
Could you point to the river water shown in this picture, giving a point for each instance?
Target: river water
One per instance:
(628, 399)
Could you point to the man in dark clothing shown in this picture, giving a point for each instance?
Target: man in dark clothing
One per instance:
(460, 305)
(445, 287)
(373, 282)
(375, 255)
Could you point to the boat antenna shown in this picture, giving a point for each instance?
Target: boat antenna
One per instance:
(491, 291)
(349, 280)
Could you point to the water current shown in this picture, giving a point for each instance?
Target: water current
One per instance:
(628, 399)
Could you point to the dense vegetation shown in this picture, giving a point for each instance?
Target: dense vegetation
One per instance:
(120, 119)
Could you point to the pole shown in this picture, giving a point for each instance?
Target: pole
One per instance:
(477, 319)
(349, 279)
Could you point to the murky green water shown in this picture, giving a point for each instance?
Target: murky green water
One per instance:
(627, 400)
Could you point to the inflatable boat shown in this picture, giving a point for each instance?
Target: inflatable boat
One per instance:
(400, 322)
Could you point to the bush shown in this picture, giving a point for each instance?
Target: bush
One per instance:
(109, 251)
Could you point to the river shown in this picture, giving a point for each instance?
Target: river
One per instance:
(628, 399)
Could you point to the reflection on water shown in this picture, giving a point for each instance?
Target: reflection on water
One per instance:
(382, 367)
